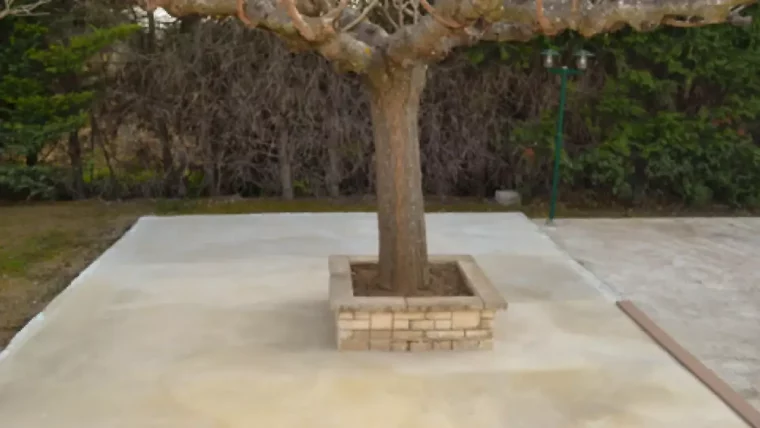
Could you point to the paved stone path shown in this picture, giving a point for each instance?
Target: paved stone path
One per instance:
(698, 278)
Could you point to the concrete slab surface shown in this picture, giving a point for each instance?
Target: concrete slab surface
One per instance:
(222, 321)
(698, 278)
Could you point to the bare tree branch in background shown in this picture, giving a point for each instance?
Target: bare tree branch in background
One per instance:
(10, 8)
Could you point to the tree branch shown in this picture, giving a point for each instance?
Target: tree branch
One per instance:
(642, 15)
(182, 8)
(21, 10)
(442, 20)
(455, 22)
(543, 23)
(361, 16)
(452, 23)
(242, 16)
(301, 23)
(344, 34)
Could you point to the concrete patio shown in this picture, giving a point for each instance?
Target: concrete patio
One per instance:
(222, 321)
(698, 278)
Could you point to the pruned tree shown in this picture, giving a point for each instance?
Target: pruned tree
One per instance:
(391, 43)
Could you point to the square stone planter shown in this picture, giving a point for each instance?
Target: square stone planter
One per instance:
(414, 323)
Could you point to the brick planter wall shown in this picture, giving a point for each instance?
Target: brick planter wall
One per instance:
(415, 323)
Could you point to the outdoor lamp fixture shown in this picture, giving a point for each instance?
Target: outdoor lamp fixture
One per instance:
(583, 56)
(550, 60)
(549, 57)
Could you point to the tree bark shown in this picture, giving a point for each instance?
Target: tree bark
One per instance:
(97, 137)
(333, 164)
(167, 158)
(395, 100)
(283, 157)
(151, 32)
(77, 169)
(32, 157)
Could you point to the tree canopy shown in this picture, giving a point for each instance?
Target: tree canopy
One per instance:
(360, 34)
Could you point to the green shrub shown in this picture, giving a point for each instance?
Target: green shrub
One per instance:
(39, 182)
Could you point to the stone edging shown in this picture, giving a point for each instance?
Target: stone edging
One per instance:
(731, 398)
(411, 324)
(485, 295)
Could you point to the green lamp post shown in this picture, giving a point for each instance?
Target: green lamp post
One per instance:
(549, 62)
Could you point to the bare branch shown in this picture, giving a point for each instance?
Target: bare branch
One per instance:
(543, 23)
(298, 20)
(324, 25)
(351, 21)
(180, 8)
(302, 23)
(435, 34)
(242, 16)
(446, 22)
(683, 23)
(427, 30)
(553, 16)
(451, 24)
(735, 17)
(21, 10)
(334, 13)
(390, 19)
(361, 16)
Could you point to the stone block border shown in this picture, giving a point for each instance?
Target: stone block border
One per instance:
(414, 323)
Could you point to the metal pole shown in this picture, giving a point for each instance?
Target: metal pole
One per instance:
(563, 72)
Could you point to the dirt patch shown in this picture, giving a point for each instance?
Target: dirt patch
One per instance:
(45, 246)
(444, 280)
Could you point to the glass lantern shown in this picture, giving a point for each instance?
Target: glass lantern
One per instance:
(549, 56)
(583, 57)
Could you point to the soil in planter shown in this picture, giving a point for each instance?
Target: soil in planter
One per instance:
(444, 280)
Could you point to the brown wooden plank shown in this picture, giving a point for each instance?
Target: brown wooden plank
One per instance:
(736, 402)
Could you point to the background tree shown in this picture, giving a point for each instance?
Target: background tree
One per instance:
(391, 43)
(46, 92)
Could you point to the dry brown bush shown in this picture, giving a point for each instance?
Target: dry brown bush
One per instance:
(211, 108)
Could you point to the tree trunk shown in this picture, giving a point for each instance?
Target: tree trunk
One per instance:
(167, 159)
(77, 170)
(395, 101)
(283, 157)
(333, 156)
(97, 137)
(333, 174)
(151, 32)
(32, 158)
